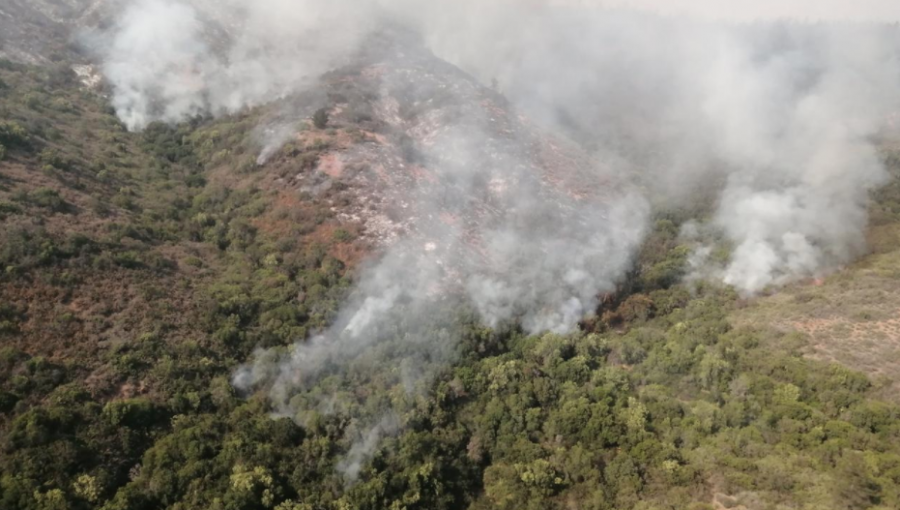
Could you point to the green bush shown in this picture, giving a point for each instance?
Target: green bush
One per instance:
(134, 413)
(342, 235)
(320, 118)
(34, 100)
(54, 159)
(48, 198)
(8, 209)
(12, 134)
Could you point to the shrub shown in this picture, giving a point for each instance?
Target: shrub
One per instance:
(124, 201)
(128, 260)
(12, 134)
(7, 401)
(135, 413)
(638, 307)
(62, 105)
(48, 198)
(8, 209)
(33, 100)
(342, 235)
(320, 118)
(54, 159)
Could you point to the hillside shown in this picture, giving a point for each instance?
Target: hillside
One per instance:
(139, 270)
(41, 31)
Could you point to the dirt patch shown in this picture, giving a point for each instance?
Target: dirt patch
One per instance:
(852, 317)
(870, 346)
(332, 165)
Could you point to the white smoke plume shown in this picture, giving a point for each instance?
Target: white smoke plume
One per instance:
(168, 60)
(365, 445)
(799, 147)
(783, 114)
(156, 68)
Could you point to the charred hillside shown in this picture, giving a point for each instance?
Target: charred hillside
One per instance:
(399, 122)
(423, 151)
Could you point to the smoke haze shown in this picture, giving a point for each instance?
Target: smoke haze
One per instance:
(806, 10)
(785, 113)
(782, 113)
(168, 60)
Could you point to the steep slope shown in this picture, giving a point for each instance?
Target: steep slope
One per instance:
(41, 31)
(76, 190)
(112, 238)
(393, 117)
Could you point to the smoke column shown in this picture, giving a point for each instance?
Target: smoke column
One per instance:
(168, 59)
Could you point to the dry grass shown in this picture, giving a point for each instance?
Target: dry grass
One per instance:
(852, 317)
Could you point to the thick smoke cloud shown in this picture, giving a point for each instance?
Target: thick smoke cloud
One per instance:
(170, 59)
(151, 63)
(805, 10)
(796, 136)
(781, 114)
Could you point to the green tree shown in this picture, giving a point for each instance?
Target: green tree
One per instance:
(321, 118)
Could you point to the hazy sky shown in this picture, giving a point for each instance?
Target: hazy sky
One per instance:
(871, 10)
